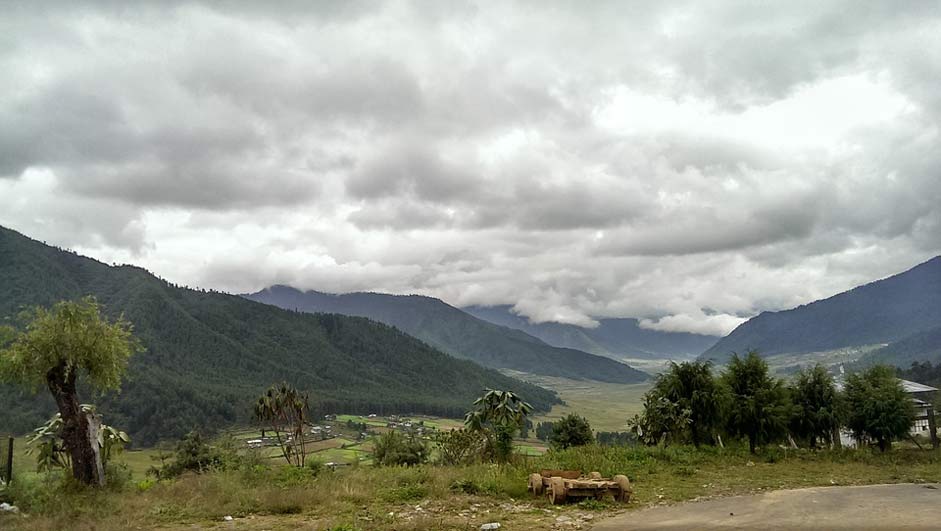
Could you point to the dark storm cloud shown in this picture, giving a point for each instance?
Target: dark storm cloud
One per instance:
(688, 162)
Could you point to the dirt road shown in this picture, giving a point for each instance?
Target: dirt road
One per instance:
(904, 506)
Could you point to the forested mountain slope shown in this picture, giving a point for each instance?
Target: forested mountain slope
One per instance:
(614, 338)
(918, 347)
(886, 311)
(457, 333)
(208, 355)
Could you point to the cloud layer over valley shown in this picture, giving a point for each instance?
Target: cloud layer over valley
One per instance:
(686, 163)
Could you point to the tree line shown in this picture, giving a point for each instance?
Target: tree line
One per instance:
(689, 403)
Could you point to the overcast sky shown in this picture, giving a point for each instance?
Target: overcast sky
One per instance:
(690, 163)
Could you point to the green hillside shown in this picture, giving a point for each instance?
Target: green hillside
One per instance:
(209, 354)
(889, 310)
(919, 347)
(458, 333)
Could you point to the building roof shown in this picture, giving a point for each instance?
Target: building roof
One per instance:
(910, 387)
(915, 387)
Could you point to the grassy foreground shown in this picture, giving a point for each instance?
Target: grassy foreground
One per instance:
(445, 498)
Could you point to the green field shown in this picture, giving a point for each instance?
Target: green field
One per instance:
(607, 406)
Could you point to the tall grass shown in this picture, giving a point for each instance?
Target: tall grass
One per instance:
(358, 494)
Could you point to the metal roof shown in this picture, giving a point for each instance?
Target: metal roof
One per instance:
(914, 387)
(910, 387)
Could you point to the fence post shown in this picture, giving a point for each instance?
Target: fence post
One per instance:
(9, 471)
(933, 428)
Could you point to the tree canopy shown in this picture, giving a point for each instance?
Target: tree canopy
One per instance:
(879, 407)
(759, 408)
(818, 410)
(72, 335)
(571, 430)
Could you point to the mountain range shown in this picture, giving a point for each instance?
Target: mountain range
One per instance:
(899, 317)
(208, 355)
(615, 338)
(457, 333)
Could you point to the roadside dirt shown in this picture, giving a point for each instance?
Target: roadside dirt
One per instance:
(904, 506)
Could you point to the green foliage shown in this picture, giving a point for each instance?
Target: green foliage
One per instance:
(209, 355)
(404, 493)
(192, 454)
(879, 408)
(393, 448)
(51, 451)
(543, 431)
(500, 413)
(923, 372)
(462, 446)
(74, 335)
(571, 430)
(759, 406)
(285, 410)
(661, 420)
(818, 408)
(616, 438)
(687, 402)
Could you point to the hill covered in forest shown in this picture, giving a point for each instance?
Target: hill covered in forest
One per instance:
(902, 312)
(208, 355)
(615, 338)
(458, 333)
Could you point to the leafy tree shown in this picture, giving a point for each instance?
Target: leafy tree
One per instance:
(394, 448)
(543, 431)
(759, 405)
(59, 343)
(660, 420)
(284, 410)
(692, 387)
(501, 413)
(818, 408)
(571, 430)
(879, 408)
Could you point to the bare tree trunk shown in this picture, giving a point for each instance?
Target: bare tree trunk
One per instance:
(76, 435)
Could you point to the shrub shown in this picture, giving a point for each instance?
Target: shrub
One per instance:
(192, 454)
(393, 448)
(405, 493)
(466, 486)
(462, 447)
(570, 431)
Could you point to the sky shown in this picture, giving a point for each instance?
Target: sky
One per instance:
(690, 164)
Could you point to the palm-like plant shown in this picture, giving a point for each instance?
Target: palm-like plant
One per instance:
(500, 413)
(284, 409)
(51, 450)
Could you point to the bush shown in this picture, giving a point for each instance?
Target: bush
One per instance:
(393, 448)
(462, 447)
(466, 486)
(570, 431)
(193, 454)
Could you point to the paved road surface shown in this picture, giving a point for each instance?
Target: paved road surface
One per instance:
(904, 506)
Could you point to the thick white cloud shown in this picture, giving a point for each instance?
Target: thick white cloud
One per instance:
(687, 163)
